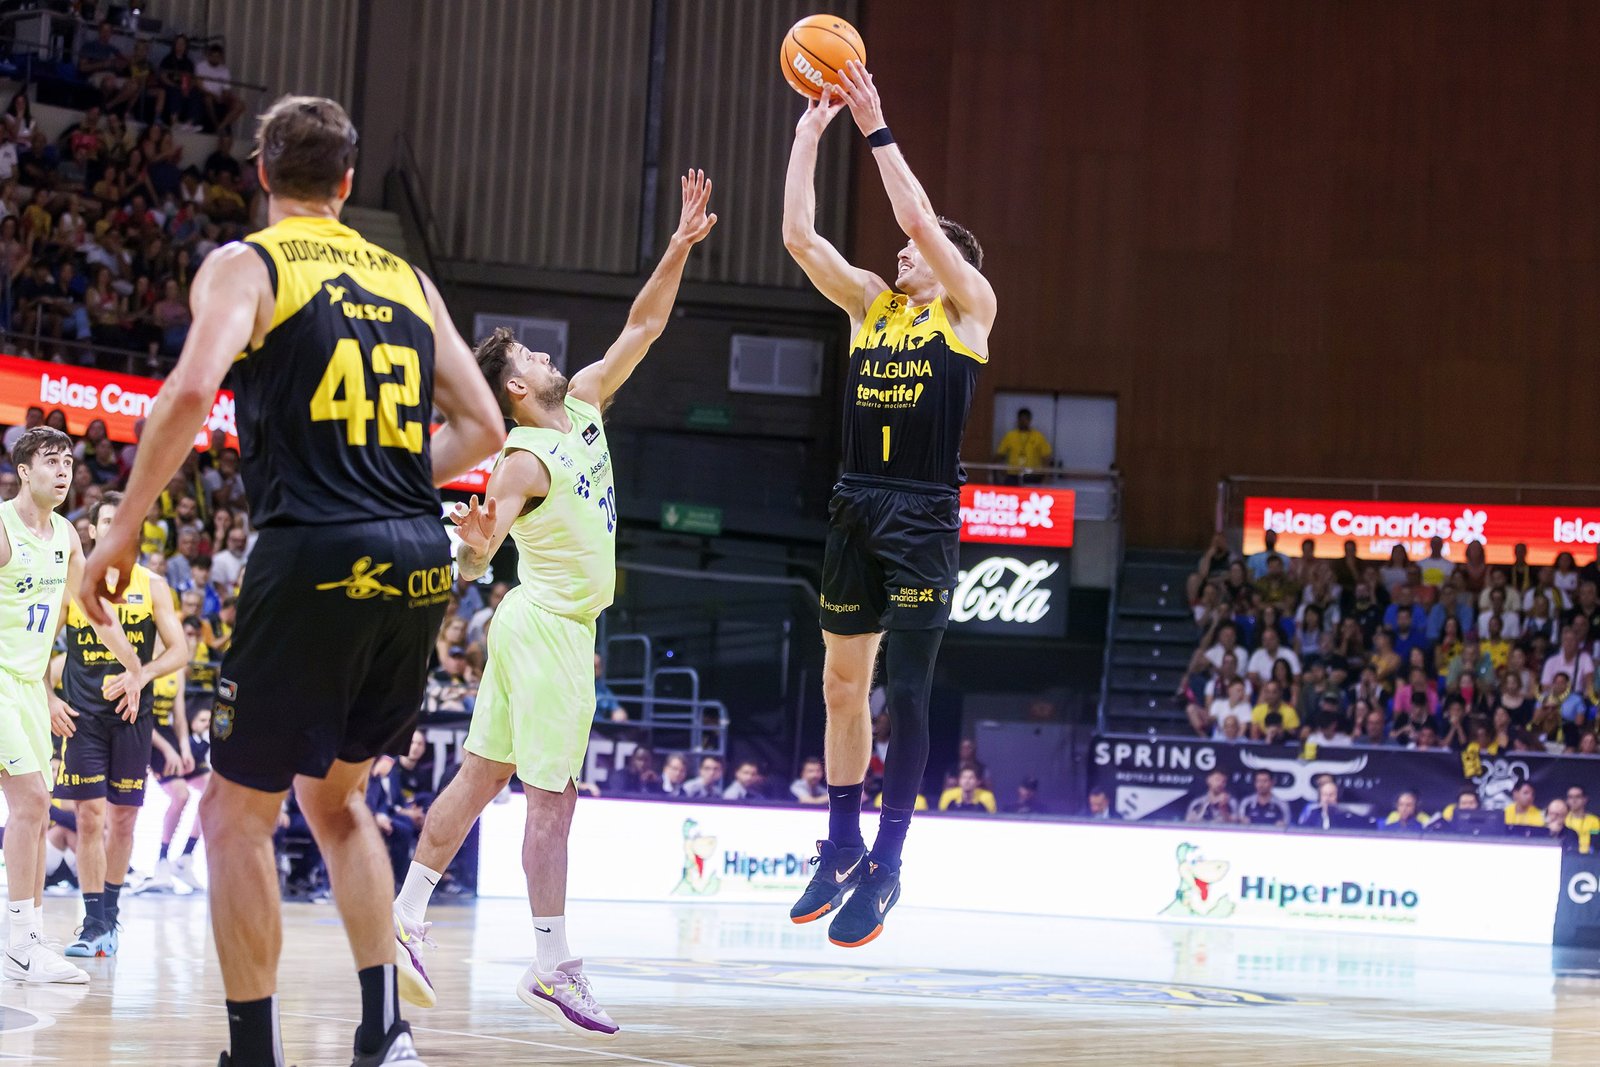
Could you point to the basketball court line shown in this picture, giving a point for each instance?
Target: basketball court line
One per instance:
(421, 1029)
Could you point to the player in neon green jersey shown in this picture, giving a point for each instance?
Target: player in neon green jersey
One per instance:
(552, 492)
(41, 559)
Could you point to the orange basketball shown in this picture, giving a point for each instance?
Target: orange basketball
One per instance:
(814, 51)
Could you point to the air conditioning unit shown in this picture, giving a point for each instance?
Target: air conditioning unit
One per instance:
(537, 335)
(778, 366)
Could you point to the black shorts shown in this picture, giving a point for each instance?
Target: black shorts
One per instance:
(330, 654)
(892, 556)
(158, 763)
(106, 757)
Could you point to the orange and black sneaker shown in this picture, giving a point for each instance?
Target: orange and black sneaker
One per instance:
(838, 871)
(861, 918)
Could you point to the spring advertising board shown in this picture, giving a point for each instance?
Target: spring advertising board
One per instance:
(630, 850)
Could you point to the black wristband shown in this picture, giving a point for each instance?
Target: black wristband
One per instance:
(880, 137)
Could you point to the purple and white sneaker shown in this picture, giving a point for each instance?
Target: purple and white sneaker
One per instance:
(410, 938)
(565, 995)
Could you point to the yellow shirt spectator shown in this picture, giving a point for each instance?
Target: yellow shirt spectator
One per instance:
(952, 797)
(1497, 651)
(1534, 816)
(1583, 825)
(1291, 717)
(1024, 446)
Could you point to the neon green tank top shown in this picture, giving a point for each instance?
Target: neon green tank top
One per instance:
(33, 586)
(567, 546)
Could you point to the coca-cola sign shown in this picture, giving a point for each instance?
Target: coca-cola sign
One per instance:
(1010, 592)
(1040, 516)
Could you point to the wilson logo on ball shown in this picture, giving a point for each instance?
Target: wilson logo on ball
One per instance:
(804, 68)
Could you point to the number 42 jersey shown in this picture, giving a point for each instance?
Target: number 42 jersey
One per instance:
(333, 406)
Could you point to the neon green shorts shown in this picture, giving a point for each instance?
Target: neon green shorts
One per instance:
(25, 727)
(536, 700)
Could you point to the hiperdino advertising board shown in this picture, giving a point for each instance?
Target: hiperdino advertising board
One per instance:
(663, 851)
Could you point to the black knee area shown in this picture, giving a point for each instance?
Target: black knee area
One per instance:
(908, 682)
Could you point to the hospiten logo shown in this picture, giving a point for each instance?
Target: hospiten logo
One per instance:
(1199, 881)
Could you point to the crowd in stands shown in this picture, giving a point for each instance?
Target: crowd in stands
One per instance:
(1565, 819)
(1432, 654)
(103, 226)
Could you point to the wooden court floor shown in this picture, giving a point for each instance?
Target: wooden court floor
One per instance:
(717, 985)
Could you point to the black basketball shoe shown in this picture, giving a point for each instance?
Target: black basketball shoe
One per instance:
(396, 1049)
(838, 871)
(861, 918)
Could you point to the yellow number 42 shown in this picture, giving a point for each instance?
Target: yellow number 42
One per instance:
(341, 396)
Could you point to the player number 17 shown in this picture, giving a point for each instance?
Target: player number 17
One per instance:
(36, 621)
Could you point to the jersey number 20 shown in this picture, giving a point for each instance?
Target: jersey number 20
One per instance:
(341, 396)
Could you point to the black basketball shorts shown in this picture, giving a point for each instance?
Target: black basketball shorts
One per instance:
(158, 763)
(106, 757)
(892, 556)
(330, 654)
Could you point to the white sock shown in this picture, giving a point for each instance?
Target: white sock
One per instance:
(72, 861)
(26, 923)
(52, 859)
(412, 903)
(550, 942)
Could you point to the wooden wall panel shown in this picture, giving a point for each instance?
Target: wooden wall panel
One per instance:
(1294, 237)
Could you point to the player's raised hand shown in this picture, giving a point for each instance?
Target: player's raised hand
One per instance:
(61, 717)
(820, 112)
(693, 221)
(475, 525)
(114, 554)
(862, 96)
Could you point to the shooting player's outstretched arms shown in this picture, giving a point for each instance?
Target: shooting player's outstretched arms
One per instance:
(598, 382)
(965, 286)
(852, 288)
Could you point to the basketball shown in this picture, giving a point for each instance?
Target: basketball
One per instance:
(815, 49)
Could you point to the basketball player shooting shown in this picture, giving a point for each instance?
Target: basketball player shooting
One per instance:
(552, 491)
(340, 352)
(894, 521)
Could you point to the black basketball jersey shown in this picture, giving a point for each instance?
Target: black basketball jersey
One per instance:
(90, 662)
(334, 405)
(911, 385)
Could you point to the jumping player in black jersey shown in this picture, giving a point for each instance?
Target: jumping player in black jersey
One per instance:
(104, 761)
(340, 353)
(894, 521)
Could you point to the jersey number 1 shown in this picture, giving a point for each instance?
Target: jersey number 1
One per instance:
(886, 444)
(341, 396)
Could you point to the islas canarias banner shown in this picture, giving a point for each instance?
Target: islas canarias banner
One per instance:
(84, 394)
(1376, 526)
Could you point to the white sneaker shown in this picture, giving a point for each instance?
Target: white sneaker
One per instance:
(37, 964)
(183, 870)
(161, 881)
(566, 997)
(410, 939)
